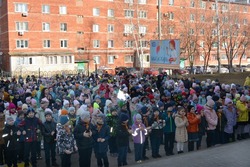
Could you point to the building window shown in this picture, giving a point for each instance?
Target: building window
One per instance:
(97, 59)
(22, 26)
(79, 19)
(142, 2)
(110, 28)
(191, 31)
(30, 60)
(202, 18)
(171, 2)
(22, 44)
(129, 13)
(128, 28)
(202, 31)
(202, 44)
(142, 29)
(192, 4)
(225, 19)
(70, 59)
(245, 21)
(95, 28)
(224, 8)
(111, 59)
(224, 45)
(96, 12)
(129, 44)
(244, 56)
(202, 57)
(223, 57)
(63, 10)
(129, 1)
(203, 5)
(171, 30)
(142, 14)
(129, 59)
(111, 13)
(46, 43)
(96, 43)
(63, 27)
(110, 43)
(143, 44)
(191, 17)
(224, 33)
(21, 7)
(45, 9)
(214, 32)
(214, 44)
(171, 16)
(46, 26)
(236, 57)
(245, 9)
(55, 59)
(64, 43)
(213, 6)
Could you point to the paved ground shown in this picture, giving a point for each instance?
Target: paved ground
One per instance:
(231, 155)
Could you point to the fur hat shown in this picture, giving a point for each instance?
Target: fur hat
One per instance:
(227, 101)
(76, 102)
(138, 116)
(210, 103)
(85, 115)
(24, 106)
(108, 102)
(65, 102)
(71, 109)
(47, 112)
(19, 103)
(64, 119)
(44, 100)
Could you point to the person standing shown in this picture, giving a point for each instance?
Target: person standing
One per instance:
(83, 134)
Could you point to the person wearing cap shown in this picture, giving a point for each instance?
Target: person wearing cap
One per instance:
(169, 131)
(157, 123)
(83, 134)
(243, 118)
(112, 122)
(49, 135)
(20, 117)
(65, 141)
(72, 117)
(212, 121)
(11, 136)
(30, 127)
(101, 135)
(122, 140)
(230, 113)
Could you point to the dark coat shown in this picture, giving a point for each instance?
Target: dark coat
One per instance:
(101, 147)
(48, 127)
(11, 141)
(82, 141)
(122, 136)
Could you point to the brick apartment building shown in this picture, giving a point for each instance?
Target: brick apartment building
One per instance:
(51, 35)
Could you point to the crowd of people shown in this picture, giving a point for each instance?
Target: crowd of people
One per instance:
(99, 115)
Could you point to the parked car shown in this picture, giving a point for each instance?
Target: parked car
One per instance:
(208, 70)
(224, 70)
(198, 70)
(247, 67)
(214, 68)
(238, 68)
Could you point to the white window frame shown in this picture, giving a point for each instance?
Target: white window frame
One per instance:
(111, 59)
(142, 29)
(142, 14)
(97, 59)
(63, 10)
(143, 43)
(202, 18)
(128, 28)
(96, 28)
(110, 43)
(129, 44)
(21, 7)
(22, 26)
(192, 4)
(202, 44)
(171, 30)
(110, 28)
(192, 17)
(129, 1)
(46, 43)
(129, 13)
(63, 27)
(96, 43)
(245, 21)
(202, 57)
(46, 27)
(128, 59)
(142, 2)
(171, 16)
(244, 57)
(203, 5)
(111, 13)
(63, 43)
(22, 44)
(96, 12)
(202, 31)
(223, 57)
(46, 9)
(171, 2)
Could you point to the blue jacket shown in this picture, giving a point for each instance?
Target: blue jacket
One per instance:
(231, 119)
(104, 133)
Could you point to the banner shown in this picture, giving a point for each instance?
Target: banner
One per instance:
(165, 54)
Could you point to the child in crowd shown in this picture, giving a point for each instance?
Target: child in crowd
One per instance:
(181, 123)
(20, 153)
(202, 125)
(222, 120)
(139, 132)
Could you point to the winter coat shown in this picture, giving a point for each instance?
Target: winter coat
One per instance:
(122, 138)
(65, 141)
(211, 118)
(11, 141)
(181, 128)
(243, 111)
(2, 121)
(48, 127)
(247, 81)
(31, 125)
(193, 122)
(82, 141)
(17, 122)
(157, 126)
(203, 125)
(104, 133)
(231, 119)
(169, 123)
(112, 122)
(222, 120)
(138, 135)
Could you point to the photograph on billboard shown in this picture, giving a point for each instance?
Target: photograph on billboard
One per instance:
(165, 54)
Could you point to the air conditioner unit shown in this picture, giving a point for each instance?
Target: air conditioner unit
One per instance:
(25, 14)
(165, 14)
(125, 34)
(142, 34)
(116, 56)
(20, 33)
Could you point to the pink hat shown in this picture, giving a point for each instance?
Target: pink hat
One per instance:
(33, 101)
(216, 89)
(227, 101)
(45, 100)
(210, 103)
(76, 102)
(11, 106)
(243, 98)
(28, 99)
(192, 91)
(199, 108)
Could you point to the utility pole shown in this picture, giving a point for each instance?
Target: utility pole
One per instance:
(159, 19)
(218, 35)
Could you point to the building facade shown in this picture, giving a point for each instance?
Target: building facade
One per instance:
(51, 35)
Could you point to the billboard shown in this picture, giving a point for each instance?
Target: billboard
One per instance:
(165, 54)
